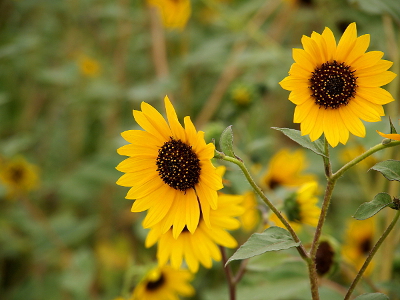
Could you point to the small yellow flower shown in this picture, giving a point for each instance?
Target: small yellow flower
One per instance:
(174, 13)
(19, 176)
(335, 86)
(242, 95)
(164, 283)
(89, 66)
(301, 208)
(358, 242)
(251, 216)
(201, 245)
(286, 169)
(392, 136)
(169, 170)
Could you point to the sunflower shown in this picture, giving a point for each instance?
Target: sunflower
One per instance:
(358, 242)
(89, 66)
(337, 86)
(174, 13)
(301, 207)
(349, 153)
(285, 169)
(19, 176)
(164, 283)
(169, 171)
(202, 245)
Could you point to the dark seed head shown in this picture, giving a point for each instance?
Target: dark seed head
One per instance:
(324, 258)
(333, 85)
(154, 285)
(178, 165)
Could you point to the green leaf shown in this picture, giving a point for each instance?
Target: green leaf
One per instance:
(372, 296)
(226, 142)
(389, 168)
(392, 128)
(369, 209)
(304, 141)
(272, 239)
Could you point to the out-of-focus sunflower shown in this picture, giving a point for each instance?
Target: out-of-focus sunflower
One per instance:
(169, 171)
(358, 242)
(89, 66)
(349, 153)
(301, 207)
(334, 86)
(164, 283)
(174, 13)
(201, 245)
(285, 169)
(18, 176)
(251, 216)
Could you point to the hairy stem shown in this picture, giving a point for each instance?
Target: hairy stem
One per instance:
(229, 276)
(371, 255)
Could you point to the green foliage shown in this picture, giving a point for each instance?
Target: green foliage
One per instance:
(389, 168)
(369, 209)
(226, 142)
(304, 141)
(272, 239)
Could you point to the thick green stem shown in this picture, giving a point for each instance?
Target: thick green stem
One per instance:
(260, 193)
(371, 255)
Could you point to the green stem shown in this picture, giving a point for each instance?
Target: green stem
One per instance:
(367, 153)
(371, 255)
(260, 193)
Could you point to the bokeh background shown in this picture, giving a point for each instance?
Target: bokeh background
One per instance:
(71, 72)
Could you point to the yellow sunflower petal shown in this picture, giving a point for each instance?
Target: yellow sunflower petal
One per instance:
(330, 129)
(364, 110)
(156, 213)
(303, 59)
(319, 125)
(192, 210)
(330, 41)
(352, 122)
(375, 95)
(361, 45)
(380, 67)
(177, 253)
(310, 46)
(377, 80)
(156, 120)
(143, 122)
(153, 236)
(299, 71)
(392, 136)
(301, 111)
(367, 60)
(321, 46)
(176, 127)
(346, 43)
(308, 123)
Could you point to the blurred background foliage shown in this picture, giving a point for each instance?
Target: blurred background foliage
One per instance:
(70, 74)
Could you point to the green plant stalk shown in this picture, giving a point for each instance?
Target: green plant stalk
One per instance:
(258, 190)
(367, 153)
(371, 255)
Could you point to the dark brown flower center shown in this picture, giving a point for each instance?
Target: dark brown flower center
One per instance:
(366, 246)
(333, 85)
(324, 258)
(178, 165)
(17, 174)
(156, 284)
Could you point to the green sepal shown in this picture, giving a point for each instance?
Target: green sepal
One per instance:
(272, 239)
(371, 208)
(295, 135)
(226, 142)
(392, 128)
(389, 168)
(372, 296)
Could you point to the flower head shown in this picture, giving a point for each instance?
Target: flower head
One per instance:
(285, 169)
(201, 245)
(164, 283)
(334, 86)
(301, 207)
(174, 13)
(358, 242)
(19, 176)
(169, 171)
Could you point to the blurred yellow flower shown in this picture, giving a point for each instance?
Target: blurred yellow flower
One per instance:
(89, 66)
(251, 216)
(174, 13)
(164, 283)
(358, 242)
(285, 169)
(349, 153)
(335, 86)
(19, 176)
(114, 253)
(242, 95)
(301, 208)
(201, 245)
